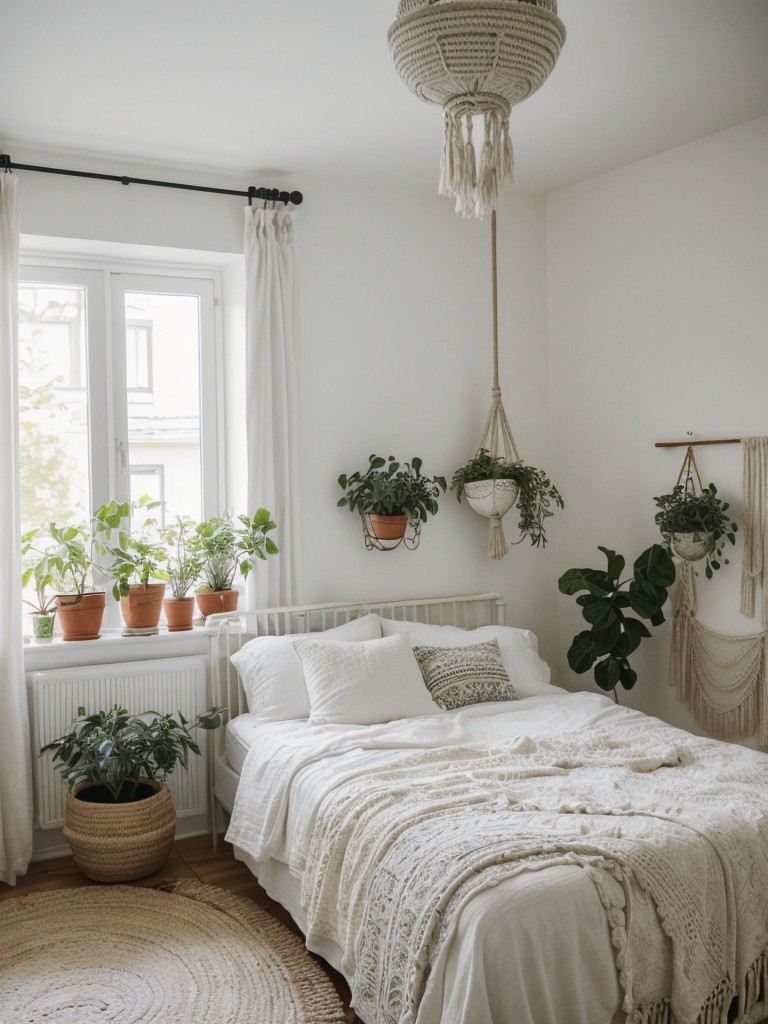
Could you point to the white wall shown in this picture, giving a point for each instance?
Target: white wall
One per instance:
(395, 355)
(658, 310)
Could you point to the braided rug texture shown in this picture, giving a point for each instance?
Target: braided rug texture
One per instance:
(129, 955)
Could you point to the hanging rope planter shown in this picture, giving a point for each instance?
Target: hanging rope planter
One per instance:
(475, 59)
(496, 478)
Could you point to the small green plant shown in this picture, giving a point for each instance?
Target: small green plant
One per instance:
(391, 488)
(118, 750)
(701, 514)
(613, 634)
(227, 545)
(40, 569)
(137, 552)
(72, 559)
(536, 497)
(185, 560)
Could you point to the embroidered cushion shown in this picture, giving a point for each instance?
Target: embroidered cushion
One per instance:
(456, 676)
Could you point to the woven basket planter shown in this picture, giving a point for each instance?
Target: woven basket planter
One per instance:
(119, 842)
(691, 546)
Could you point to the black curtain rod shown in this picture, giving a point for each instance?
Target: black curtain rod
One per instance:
(273, 195)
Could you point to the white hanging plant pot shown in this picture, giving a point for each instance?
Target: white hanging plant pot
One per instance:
(691, 546)
(491, 497)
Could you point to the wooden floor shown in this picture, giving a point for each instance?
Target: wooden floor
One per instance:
(191, 858)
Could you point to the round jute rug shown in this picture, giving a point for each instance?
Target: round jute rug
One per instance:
(129, 955)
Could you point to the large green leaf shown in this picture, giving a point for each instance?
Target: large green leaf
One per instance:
(616, 563)
(656, 564)
(607, 672)
(606, 639)
(581, 653)
(645, 598)
(599, 612)
(572, 581)
(627, 675)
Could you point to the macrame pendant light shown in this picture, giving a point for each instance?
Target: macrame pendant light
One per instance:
(475, 58)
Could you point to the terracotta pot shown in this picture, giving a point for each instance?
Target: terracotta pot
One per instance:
(179, 612)
(119, 842)
(388, 527)
(212, 601)
(142, 605)
(491, 497)
(80, 617)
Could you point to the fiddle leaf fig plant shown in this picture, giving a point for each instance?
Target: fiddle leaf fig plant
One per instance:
(607, 601)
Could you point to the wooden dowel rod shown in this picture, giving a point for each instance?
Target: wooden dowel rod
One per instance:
(691, 444)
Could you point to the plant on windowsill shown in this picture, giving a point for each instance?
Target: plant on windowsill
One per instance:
(136, 554)
(184, 566)
(613, 634)
(228, 546)
(389, 495)
(492, 486)
(79, 606)
(120, 818)
(38, 569)
(696, 525)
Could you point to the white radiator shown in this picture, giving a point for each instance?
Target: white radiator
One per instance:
(164, 685)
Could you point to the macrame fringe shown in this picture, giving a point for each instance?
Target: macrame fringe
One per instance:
(476, 191)
(497, 542)
(755, 494)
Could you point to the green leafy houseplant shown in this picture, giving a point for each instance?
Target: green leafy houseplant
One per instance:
(117, 750)
(537, 494)
(72, 559)
(185, 561)
(226, 545)
(614, 634)
(40, 569)
(702, 515)
(136, 553)
(391, 488)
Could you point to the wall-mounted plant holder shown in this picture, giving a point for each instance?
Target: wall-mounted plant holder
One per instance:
(377, 540)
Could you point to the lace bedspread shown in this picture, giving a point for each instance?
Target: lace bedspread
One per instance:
(653, 815)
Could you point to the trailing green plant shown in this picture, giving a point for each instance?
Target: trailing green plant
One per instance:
(136, 552)
(391, 488)
(185, 559)
(39, 568)
(118, 750)
(613, 633)
(537, 494)
(228, 545)
(703, 515)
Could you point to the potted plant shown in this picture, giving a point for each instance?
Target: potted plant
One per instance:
(120, 818)
(228, 546)
(390, 494)
(136, 552)
(80, 608)
(696, 525)
(605, 600)
(492, 486)
(183, 571)
(41, 571)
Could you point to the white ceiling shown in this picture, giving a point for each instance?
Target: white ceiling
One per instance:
(302, 87)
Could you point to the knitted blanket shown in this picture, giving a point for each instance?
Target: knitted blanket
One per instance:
(396, 852)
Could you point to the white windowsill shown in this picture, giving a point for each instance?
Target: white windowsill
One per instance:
(112, 647)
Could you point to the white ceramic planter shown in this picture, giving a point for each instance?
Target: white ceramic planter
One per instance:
(691, 546)
(491, 497)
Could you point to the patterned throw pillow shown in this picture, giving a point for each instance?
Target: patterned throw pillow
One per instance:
(456, 676)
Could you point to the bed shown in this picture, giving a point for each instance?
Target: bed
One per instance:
(469, 844)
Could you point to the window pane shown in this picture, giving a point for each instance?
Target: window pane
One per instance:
(163, 357)
(53, 404)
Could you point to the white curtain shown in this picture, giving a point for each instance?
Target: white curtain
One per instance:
(15, 761)
(271, 402)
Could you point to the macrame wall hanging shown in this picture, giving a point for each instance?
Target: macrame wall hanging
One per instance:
(475, 59)
(724, 679)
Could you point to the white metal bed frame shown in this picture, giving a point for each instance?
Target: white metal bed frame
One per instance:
(228, 631)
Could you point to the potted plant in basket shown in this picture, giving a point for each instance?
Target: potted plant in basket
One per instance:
(41, 571)
(696, 525)
(228, 546)
(80, 608)
(492, 486)
(183, 570)
(136, 554)
(605, 600)
(390, 494)
(120, 818)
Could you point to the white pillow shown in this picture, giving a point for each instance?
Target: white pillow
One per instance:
(272, 674)
(529, 674)
(363, 683)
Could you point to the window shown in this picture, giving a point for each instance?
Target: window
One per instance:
(116, 405)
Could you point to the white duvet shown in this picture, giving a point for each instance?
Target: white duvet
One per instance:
(537, 947)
